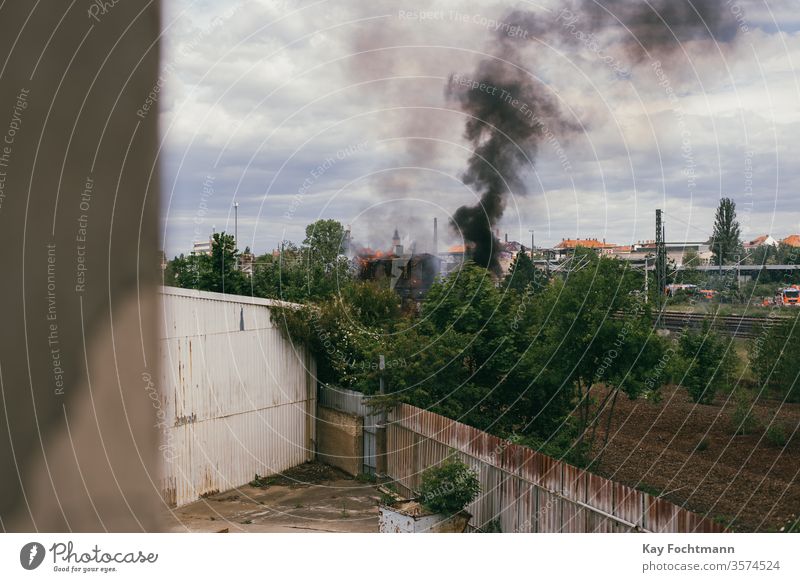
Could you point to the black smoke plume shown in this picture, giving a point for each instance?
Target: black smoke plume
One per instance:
(509, 113)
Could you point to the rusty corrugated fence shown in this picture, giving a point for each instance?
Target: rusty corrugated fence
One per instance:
(524, 491)
(235, 397)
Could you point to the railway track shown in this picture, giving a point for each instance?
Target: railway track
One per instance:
(735, 325)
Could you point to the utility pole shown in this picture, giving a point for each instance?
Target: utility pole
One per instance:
(235, 224)
(646, 286)
(236, 230)
(661, 259)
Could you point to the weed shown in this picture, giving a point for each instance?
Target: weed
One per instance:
(366, 478)
(776, 435)
(247, 521)
(259, 481)
(702, 445)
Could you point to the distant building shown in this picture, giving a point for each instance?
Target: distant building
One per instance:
(451, 259)
(793, 240)
(567, 246)
(202, 247)
(246, 261)
(760, 241)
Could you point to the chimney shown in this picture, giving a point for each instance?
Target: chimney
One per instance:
(435, 237)
(506, 237)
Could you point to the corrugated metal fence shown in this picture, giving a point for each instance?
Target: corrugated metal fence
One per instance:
(235, 399)
(522, 490)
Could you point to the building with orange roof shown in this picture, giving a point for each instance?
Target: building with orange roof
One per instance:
(762, 240)
(793, 240)
(567, 246)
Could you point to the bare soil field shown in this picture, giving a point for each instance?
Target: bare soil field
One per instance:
(688, 453)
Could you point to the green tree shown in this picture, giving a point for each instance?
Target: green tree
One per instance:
(725, 241)
(763, 255)
(325, 271)
(522, 272)
(219, 272)
(315, 271)
(690, 274)
(708, 363)
(587, 331)
(774, 356)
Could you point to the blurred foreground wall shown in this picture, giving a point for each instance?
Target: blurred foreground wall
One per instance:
(78, 233)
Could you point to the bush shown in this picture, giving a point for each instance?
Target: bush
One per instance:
(776, 435)
(708, 363)
(774, 354)
(743, 419)
(449, 487)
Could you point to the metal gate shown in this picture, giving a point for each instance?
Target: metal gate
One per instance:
(371, 422)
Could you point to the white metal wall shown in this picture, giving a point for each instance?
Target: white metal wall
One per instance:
(236, 397)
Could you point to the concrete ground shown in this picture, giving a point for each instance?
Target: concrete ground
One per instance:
(333, 503)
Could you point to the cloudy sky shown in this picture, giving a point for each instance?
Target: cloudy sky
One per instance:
(309, 109)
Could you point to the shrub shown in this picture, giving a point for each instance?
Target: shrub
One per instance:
(743, 418)
(774, 354)
(776, 435)
(449, 487)
(708, 361)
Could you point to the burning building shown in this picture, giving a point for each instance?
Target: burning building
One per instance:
(409, 274)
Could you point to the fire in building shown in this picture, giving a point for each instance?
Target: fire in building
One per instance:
(408, 273)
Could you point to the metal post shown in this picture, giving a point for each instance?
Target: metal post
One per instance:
(235, 224)
(381, 367)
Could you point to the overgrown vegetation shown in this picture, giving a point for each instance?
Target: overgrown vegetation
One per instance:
(708, 361)
(774, 357)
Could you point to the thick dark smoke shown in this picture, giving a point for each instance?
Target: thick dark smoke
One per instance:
(511, 113)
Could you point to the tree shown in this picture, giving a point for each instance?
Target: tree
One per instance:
(325, 271)
(774, 356)
(219, 272)
(588, 331)
(522, 273)
(690, 274)
(707, 362)
(325, 240)
(725, 242)
(763, 255)
(315, 271)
